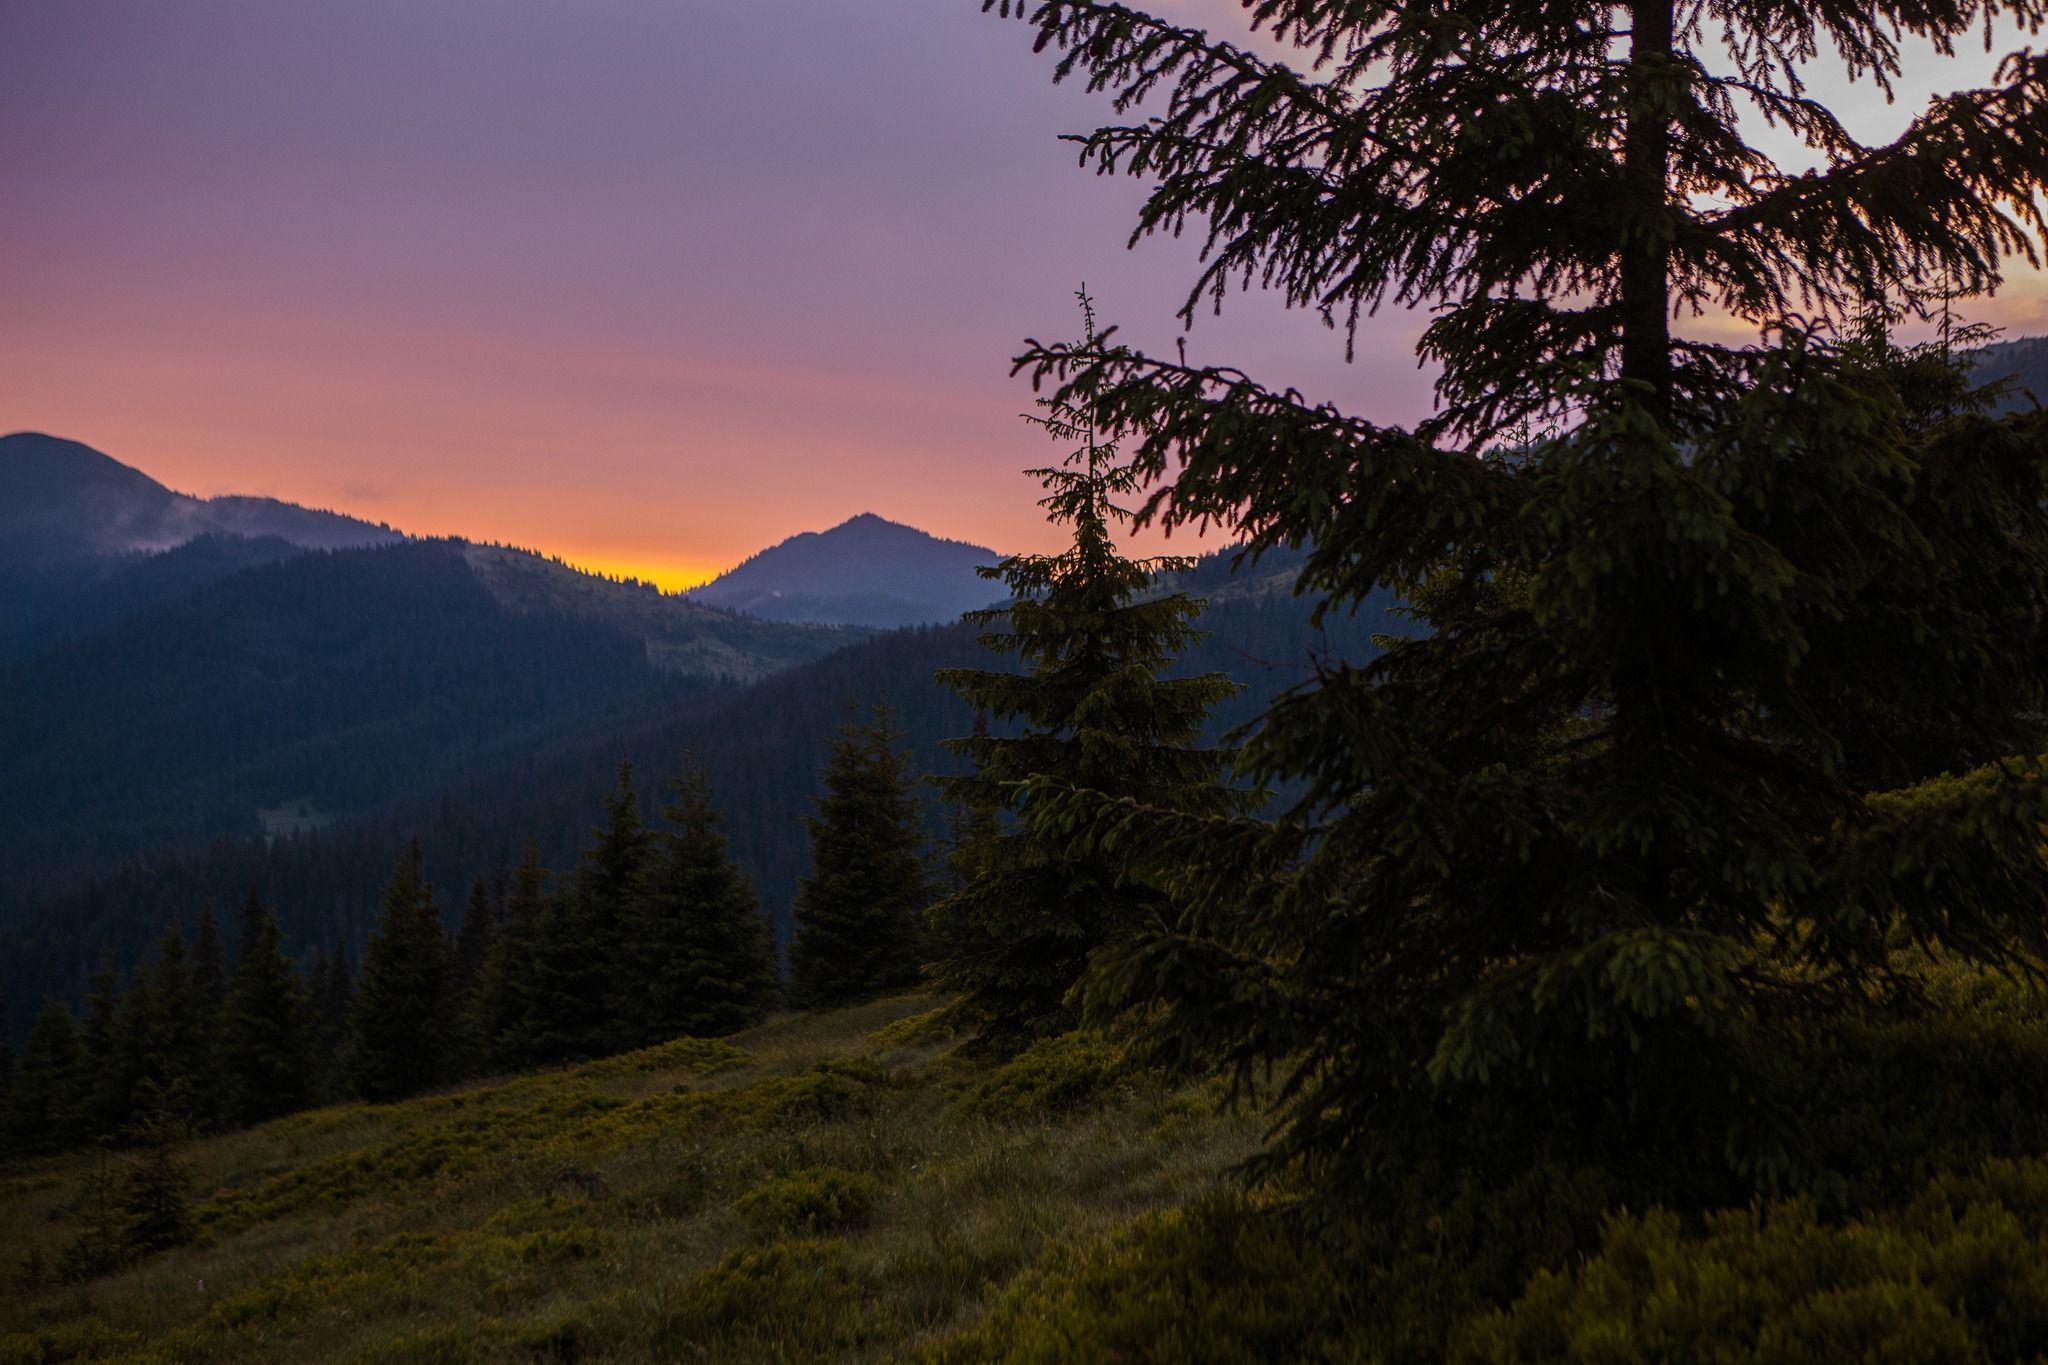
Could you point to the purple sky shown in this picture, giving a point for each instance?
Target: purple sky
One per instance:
(650, 285)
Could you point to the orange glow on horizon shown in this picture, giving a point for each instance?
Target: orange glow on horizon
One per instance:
(671, 576)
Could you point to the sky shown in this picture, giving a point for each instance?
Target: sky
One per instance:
(649, 284)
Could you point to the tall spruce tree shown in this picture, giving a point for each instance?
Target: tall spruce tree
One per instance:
(158, 1040)
(480, 914)
(700, 956)
(47, 1107)
(331, 987)
(573, 1008)
(858, 911)
(209, 962)
(501, 1011)
(6, 1054)
(402, 1029)
(106, 1099)
(266, 1045)
(209, 992)
(1665, 770)
(1092, 711)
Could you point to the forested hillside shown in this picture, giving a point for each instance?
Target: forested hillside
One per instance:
(761, 746)
(337, 681)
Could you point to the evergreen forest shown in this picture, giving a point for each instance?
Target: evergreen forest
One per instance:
(1568, 882)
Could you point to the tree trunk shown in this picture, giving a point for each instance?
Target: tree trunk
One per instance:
(1646, 164)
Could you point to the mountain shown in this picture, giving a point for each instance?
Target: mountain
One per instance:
(171, 667)
(681, 634)
(2024, 361)
(866, 571)
(64, 501)
(761, 744)
(339, 679)
(83, 537)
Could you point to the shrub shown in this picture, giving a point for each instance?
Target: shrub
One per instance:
(1959, 1274)
(1054, 1075)
(830, 1091)
(86, 1340)
(817, 1199)
(1218, 1283)
(789, 1301)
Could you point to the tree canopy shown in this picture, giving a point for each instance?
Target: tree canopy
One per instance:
(1091, 710)
(1732, 670)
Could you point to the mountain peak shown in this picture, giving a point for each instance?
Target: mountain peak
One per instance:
(866, 571)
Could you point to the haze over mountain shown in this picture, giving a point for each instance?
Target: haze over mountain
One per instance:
(64, 501)
(865, 571)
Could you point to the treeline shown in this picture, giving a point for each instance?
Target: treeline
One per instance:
(762, 747)
(654, 933)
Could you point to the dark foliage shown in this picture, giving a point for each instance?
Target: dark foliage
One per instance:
(698, 956)
(858, 912)
(1091, 711)
(1573, 861)
(761, 747)
(403, 1027)
(266, 1038)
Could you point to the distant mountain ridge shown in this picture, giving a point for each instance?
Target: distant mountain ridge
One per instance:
(866, 571)
(2023, 361)
(62, 500)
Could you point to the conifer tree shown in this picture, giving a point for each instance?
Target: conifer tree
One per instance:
(1666, 769)
(500, 1013)
(150, 1193)
(331, 986)
(47, 1106)
(209, 963)
(1092, 712)
(858, 910)
(6, 1055)
(209, 994)
(572, 1007)
(402, 1029)
(105, 1098)
(700, 957)
(266, 1054)
(157, 1039)
(473, 936)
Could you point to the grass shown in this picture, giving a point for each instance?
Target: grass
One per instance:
(852, 1187)
(825, 1187)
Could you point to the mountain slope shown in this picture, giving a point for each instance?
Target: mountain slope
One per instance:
(82, 535)
(682, 635)
(866, 571)
(343, 679)
(762, 746)
(2024, 361)
(62, 500)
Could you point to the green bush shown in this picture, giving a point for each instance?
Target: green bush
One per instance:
(1219, 1284)
(817, 1199)
(796, 1300)
(826, 1093)
(1053, 1076)
(84, 1340)
(1959, 1274)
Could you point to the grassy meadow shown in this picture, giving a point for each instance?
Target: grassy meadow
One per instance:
(853, 1186)
(824, 1186)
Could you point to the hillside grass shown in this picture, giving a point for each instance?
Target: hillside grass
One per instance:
(854, 1186)
(824, 1186)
